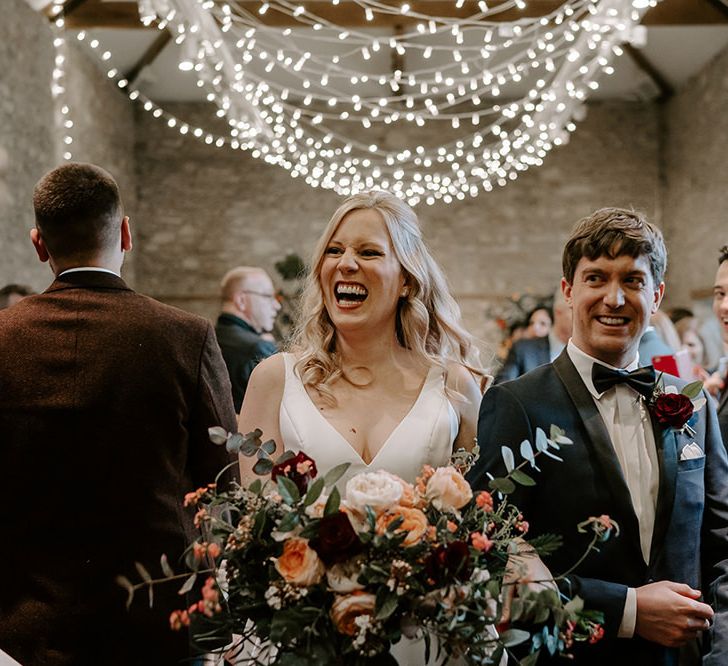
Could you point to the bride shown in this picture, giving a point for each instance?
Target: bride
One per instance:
(381, 373)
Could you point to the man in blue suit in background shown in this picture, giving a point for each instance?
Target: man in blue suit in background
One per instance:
(666, 486)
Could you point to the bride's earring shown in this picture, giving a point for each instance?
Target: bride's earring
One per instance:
(404, 293)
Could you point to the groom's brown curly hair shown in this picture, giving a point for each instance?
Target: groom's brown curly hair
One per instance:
(614, 232)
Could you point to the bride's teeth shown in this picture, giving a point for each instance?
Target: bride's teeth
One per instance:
(351, 289)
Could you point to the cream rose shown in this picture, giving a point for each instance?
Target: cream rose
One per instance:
(414, 524)
(342, 578)
(379, 490)
(299, 564)
(408, 497)
(447, 489)
(346, 609)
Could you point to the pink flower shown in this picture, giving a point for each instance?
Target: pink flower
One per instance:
(179, 619)
(484, 500)
(480, 542)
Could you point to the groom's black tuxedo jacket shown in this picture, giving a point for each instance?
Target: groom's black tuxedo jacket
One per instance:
(690, 538)
(105, 401)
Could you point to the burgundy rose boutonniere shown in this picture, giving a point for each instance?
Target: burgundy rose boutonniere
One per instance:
(673, 409)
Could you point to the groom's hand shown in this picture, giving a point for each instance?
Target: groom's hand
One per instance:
(670, 614)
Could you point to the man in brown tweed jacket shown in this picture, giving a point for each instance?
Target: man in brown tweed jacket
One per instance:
(105, 401)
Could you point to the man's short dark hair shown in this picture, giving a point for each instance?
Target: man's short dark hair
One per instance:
(723, 254)
(77, 210)
(9, 289)
(614, 232)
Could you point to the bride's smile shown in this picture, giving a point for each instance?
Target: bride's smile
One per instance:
(360, 275)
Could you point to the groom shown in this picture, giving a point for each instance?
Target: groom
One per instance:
(667, 488)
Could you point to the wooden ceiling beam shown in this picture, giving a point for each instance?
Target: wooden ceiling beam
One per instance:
(124, 14)
(644, 64)
(149, 56)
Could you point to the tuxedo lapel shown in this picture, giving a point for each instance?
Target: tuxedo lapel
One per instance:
(666, 442)
(599, 442)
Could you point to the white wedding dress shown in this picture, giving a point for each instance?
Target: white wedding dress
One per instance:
(425, 436)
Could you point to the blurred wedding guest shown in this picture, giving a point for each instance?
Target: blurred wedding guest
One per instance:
(106, 397)
(664, 486)
(11, 294)
(515, 331)
(652, 342)
(540, 321)
(688, 330)
(720, 308)
(249, 308)
(530, 353)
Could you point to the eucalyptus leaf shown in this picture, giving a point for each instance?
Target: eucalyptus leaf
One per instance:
(332, 504)
(284, 457)
(126, 584)
(335, 473)
(693, 389)
(256, 486)
(542, 442)
(248, 448)
(188, 585)
(263, 454)
(513, 637)
(263, 466)
(553, 456)
(166, 569)
(527, 452)
(502, 485)
(217, 435)
(289, 522)
(522, 478)
(234, 442)
(314, 492)
(508, 459)
(143, 572)
(269, 447)
(288, 490)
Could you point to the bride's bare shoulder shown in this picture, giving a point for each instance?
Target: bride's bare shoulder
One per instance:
(270, 373)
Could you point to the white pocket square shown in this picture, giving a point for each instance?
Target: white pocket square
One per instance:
(691, 451)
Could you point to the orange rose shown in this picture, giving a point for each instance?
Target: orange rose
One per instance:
(414, 523)
(298, 563)
(447, 489)
(346, 609)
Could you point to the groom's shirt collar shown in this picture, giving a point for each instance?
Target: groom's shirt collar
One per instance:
(91, 269)
(583, 364)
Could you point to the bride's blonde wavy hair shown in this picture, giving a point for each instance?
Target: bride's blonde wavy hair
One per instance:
(428, 318)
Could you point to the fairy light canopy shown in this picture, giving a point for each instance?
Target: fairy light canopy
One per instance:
(445, 102)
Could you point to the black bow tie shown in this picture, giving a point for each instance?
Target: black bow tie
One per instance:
(641, 380)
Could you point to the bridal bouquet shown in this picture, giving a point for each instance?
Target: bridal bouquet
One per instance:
(303, 575)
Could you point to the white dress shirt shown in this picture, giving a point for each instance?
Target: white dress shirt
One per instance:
(92, 269)
(627, 420)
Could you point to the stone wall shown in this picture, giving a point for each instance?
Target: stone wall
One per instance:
(198, 210)
(30, 145)
(27, 137)
(696, 188)
(203, 210)
(695, 194)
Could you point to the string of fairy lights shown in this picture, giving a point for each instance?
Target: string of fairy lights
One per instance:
(443, 108)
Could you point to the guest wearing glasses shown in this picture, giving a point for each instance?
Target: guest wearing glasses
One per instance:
(249, 308)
